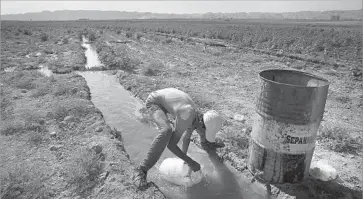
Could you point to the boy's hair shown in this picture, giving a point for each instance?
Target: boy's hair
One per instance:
(198, 119)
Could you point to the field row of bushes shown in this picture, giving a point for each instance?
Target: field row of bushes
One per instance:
(58, 49)
(339, 42)
(115, 58)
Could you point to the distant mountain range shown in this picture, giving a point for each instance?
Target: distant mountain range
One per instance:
(64, 15)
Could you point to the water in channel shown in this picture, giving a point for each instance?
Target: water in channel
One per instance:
(120, 111)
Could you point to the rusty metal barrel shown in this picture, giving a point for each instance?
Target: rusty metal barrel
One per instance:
(289, 109)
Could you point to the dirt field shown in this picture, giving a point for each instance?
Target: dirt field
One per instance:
(218, 72)
(54, 142)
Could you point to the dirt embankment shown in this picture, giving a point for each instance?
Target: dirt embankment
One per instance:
(55, 143)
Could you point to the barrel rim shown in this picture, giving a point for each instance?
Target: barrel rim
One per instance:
(327, 83)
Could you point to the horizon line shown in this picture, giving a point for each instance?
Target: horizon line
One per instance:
(175, 13)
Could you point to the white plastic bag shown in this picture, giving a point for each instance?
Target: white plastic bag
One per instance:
(175, 171)
(322, 171)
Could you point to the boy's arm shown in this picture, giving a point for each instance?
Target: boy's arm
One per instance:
(184, 119)
(186, 140)
(174, 148)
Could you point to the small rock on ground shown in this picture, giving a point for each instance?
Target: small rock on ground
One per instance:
(239, 117)
(55, 147)
(53, 134)
(68, 119)
(74, 90)
(97, 148)
(99, 129)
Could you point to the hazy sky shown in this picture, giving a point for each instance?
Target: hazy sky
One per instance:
(14, 7)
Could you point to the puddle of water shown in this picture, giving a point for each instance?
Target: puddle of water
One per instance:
(45, 70)
(120, 110)
(91, 55)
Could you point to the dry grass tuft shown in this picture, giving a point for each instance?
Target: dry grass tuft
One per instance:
(43, 86)
(44, 37)
(138, 35)
(6, 102)
(84, 170)
(22, 79)
(62, 89)
(69, 107)
(28, 121)
(154, 68)
(128, 34)
(343, 99)
(339, 140)
(23, 181)
(12, 127)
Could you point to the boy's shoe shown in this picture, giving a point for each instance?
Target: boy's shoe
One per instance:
(219, 143)
(139, 179)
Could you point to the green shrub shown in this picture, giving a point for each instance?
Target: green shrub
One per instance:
(12, 127)
(62, 89)
(65, 40)
(92, 36)
(138, 36)
(23, 181)
(119, 32)
(147, 71)
(5, 103)
(84, 169)
(128, 34)
(61, 70)
(27, 32)
(168, 40)
(41, 90)
(152, 69)
(36, 138)
(117, 60)
(44, 37)
(26, 83)
(23, 79)
(80, 36)
(71, 107)
(76, 67)
(27, 121)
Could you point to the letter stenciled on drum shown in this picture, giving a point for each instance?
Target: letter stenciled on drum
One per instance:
(298, 140)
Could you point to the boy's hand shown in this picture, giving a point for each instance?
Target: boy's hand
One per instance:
(195, 166)
(206, 145)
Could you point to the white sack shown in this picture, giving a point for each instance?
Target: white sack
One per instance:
(322, 171)
(175, 171)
